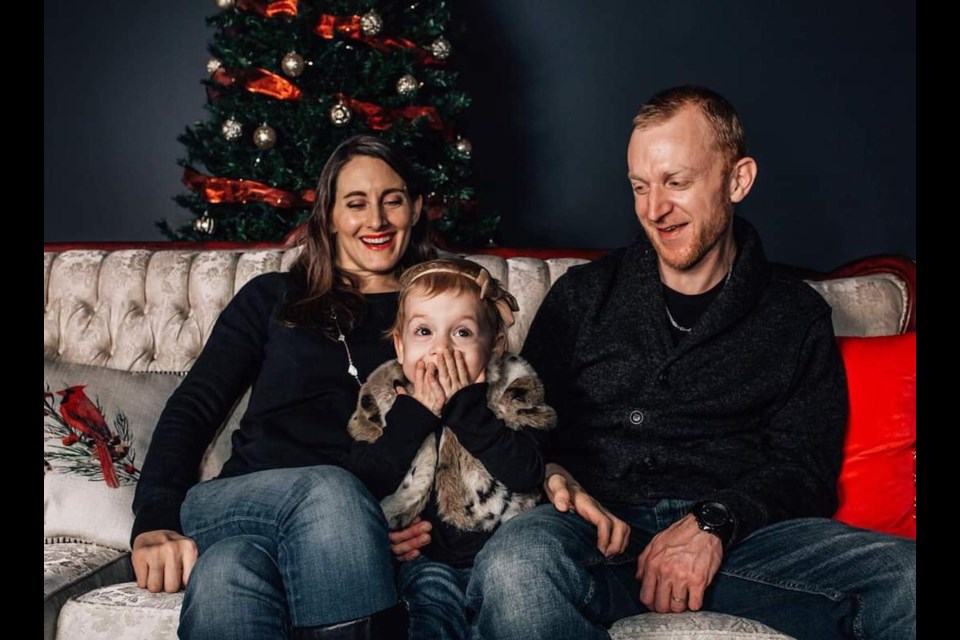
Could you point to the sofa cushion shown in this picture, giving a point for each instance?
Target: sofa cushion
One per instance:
(72, 568)
(877, 488)
(702, 625)
(120, 611)
(96, 421)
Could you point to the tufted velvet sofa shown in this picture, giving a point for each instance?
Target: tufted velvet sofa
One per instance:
(150, 307)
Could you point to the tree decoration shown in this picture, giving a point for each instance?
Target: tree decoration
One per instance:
(292, 64)
(205, 224)
(407, 85)
(231, 129)
(264, 137)
(371, 23)
(441, 48)
(463, 147)
(340, 114)
(226, 5)
(213, 64)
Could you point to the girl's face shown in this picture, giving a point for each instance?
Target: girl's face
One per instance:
(371, 221)
(445, 321)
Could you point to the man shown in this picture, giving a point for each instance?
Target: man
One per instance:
(702, 401)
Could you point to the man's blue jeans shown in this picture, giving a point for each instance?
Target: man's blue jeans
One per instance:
(297, 547)
(541, 576)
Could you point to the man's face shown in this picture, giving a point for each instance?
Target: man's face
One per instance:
(681, 190)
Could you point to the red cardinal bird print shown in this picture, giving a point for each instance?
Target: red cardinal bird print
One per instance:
(81, 414)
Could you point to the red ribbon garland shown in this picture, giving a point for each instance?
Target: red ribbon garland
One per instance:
(269, 9)
(257, 80)
(349, 26)
(227, 190)
(381, 119)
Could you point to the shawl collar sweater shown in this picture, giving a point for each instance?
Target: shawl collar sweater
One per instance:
(749, 408)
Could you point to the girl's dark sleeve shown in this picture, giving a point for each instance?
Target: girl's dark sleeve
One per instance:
(381, 465)
(511, 455)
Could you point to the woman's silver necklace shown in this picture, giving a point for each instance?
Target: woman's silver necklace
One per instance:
(351, 369)
(677, 325)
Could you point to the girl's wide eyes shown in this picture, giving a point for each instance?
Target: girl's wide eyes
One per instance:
(421, 331)
(463, 333)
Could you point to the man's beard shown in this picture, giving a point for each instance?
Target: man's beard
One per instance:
(707, 238)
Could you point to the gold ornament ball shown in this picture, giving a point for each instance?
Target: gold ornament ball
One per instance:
(340, 114)
(213, 64)
(407, 85)
(231, 129)
(441, 48)
(225, 5)
(464, 148)
(371, 23)
(264, 137)
(205, 224)
(292, 64)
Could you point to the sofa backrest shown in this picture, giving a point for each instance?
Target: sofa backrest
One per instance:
(152, 310)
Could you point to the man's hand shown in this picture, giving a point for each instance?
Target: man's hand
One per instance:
(406, 543)
(426, 388)
(163, 560)
(565, 493)
(677, 567)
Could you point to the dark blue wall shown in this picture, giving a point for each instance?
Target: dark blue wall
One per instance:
(827, 91)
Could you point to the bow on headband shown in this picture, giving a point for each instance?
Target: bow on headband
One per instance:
(490, 287)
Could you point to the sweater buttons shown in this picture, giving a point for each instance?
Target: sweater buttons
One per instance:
(636, 416)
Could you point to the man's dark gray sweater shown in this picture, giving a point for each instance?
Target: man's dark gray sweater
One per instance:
(749, 408)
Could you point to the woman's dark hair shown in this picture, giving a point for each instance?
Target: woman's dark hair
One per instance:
(325, 287)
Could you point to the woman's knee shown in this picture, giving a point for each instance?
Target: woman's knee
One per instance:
(329, 498)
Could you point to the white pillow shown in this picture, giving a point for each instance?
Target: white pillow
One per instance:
(107, 410)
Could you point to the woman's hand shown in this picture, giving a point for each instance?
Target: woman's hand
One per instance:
(405, 544)
(426, 388)
(566, 494)
(163, 560)
(452, 372)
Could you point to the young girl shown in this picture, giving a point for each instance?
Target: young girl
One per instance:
(454, 432)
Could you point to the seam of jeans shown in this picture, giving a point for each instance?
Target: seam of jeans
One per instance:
(220, 523)
(792, 585)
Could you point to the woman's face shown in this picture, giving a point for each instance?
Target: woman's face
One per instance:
(371, 222)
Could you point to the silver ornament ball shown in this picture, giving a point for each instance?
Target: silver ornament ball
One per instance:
(231, 129)
(292, 64)
(441, 48)
(205, 224)
(264, 137)
(371, 23)
(340, 114)
(213, 64)
(407, 85)
(464, 148)
(226, 5)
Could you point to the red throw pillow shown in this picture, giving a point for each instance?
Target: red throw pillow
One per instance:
(878, 479)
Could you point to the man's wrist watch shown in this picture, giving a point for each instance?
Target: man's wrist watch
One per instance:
(714, 517)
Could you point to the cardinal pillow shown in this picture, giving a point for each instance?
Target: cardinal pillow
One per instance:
(97, 424)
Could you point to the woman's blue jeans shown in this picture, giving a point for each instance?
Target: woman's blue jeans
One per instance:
(284, 548)
(541, 576)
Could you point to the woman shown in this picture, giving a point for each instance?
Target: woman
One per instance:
(287, 541)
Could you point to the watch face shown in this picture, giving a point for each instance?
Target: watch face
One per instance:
(714, 514)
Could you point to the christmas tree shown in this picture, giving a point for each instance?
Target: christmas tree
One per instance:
(290, 80)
